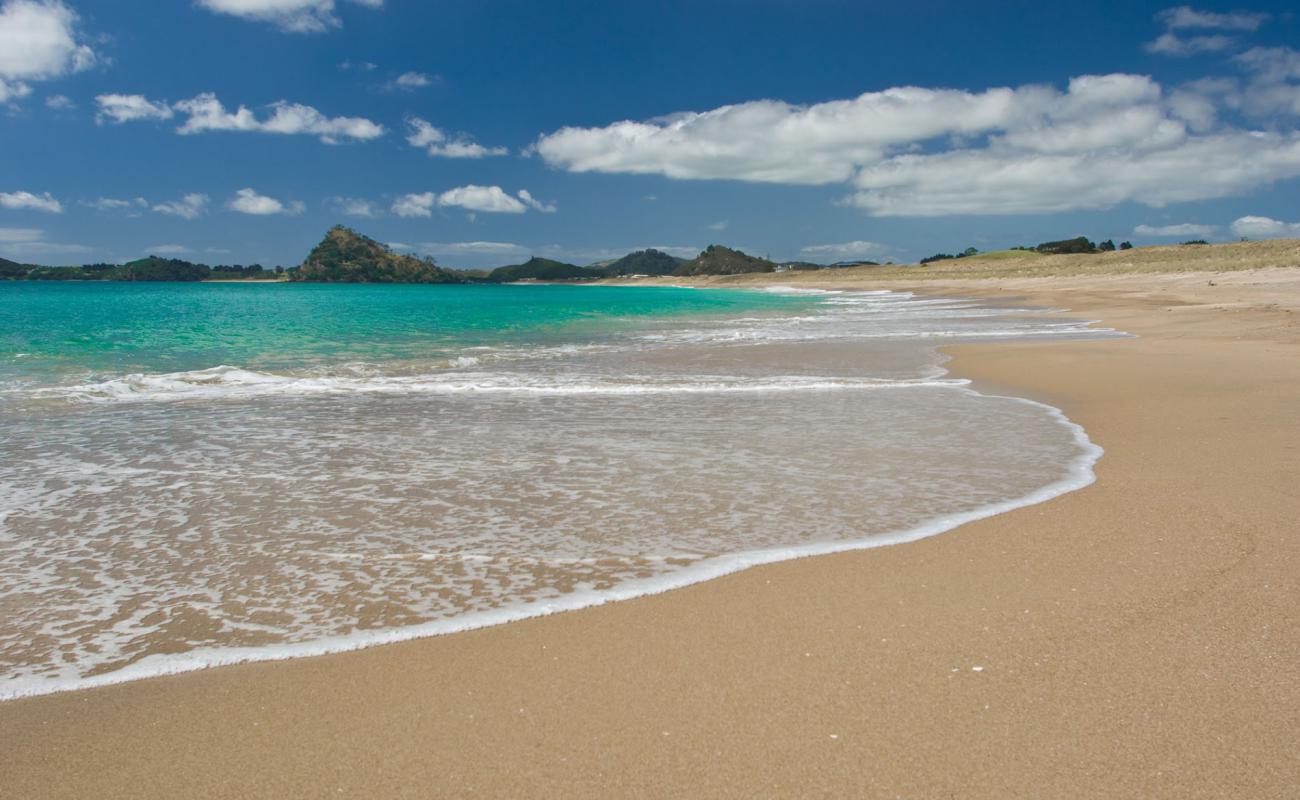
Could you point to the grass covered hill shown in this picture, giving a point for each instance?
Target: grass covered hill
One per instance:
(12, 270)
(719, 260)
(345, 256)
(642, 262)
(541, 269)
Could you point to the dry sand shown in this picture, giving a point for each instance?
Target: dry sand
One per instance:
(1138, 638)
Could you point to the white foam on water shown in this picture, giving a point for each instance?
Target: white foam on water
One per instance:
(227, 382)
(1079, 474)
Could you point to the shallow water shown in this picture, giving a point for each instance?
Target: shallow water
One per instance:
(380, 474)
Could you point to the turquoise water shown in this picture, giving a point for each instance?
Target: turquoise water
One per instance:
(49, 330)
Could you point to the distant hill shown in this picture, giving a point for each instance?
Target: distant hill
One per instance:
(157, 268)
(12, 270)
(719, 260)
(541, 269)
(345, 256)
(642, 262)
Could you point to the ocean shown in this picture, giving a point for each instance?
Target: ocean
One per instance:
(202, 474)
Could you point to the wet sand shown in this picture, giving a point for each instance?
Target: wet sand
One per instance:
(1136, 638)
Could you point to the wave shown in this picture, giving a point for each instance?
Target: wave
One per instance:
(235, 383)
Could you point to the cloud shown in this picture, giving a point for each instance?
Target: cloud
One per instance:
(436, 142)
(1104, 140)
(1187, 17)
(293, 16)
(28, 201)
(12, 235)
(206, 113)
(721, 225)
(415, 205)
(468, 248)
(121, 108)
(535, 204)
(1184, 229)
(854, 249)
(38, 41)
(1001, 180)
(1272, 64)
(412, 80)
(1273, 85)
(364, 66)
(1264, 228)
(1169, 44)
(60, 102)
(13, 91)
(191, 206)
(353, 207)
(167, 249)
(132, 206)
(248, 201)
(23, 242)
(20, 250)
(777, 142)
(486, 199)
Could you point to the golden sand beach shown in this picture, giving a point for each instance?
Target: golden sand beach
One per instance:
(1136, 638)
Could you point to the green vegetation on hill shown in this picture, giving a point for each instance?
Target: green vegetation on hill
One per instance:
(12, 270)
(541, 269)
(150, 268)
(1079, 244)
(642, 262)
(719, 260)
(345, 256)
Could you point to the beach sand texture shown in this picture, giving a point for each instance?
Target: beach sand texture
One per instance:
(1137, 638)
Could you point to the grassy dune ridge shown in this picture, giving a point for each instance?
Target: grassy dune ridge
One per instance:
(1008, 264)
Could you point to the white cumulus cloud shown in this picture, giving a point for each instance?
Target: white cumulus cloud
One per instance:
(206, 113)
(1253, 227)
(353, 207)
(38, 41)
(415, 205)
(488, 199)
(436, 142)
(121, 108)
(473, 198)
(33, 202)
(248, 201)
(1000, 180)
(534, 203)
(1170, 44)
(1104, 140)
(855, 249)
(190, 206)
(1188, 17)
(12, 235)
(167, 249)
(412, 80)
(294, 16)
(475, 248)
(1182, 229)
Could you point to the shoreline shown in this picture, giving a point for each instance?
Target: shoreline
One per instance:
(847, 663)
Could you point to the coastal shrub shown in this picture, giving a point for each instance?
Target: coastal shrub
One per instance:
(1079, 244)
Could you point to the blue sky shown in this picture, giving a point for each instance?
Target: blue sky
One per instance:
(482, 132)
